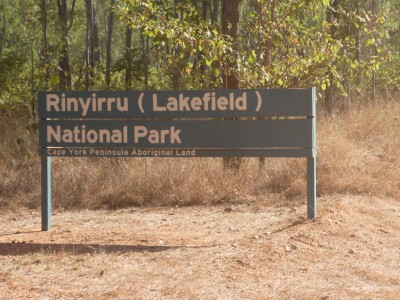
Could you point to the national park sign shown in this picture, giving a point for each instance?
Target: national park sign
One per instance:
(203, 123)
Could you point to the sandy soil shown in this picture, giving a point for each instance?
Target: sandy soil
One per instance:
(239, 252)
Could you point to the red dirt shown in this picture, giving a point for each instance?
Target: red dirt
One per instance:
(244, 252)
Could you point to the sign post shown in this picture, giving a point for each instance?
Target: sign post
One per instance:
(177, 124)
(312, 166)
(46, 192)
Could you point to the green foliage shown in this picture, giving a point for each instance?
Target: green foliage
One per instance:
(306, 48)
(11, 65)
(182, 41)
(178, 45)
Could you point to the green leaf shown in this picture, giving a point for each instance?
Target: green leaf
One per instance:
(354, 64)
(325, 2)
(370, 41)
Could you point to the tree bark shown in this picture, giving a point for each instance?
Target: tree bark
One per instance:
(374, 54)
(92, 52)
(204, 9)
(64, 68)
(202, 65)
(269, 45)
(215, 11)
(2, 33)
(110, 27)
(45, 61)
(230, 26)
(128, 52)
(358, 43)
(268, 52)
(331, 16)
(145, 57)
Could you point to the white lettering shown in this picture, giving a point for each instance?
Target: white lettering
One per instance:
(222, 103)
(208, 102)
(79, 135)
(183, 103)
(175, 138)
(155, 136)
(52, 101)
(172, 104)
(85, 105)
(139, 132)
(155, 104)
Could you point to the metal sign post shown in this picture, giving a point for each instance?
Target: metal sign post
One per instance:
(46, 192)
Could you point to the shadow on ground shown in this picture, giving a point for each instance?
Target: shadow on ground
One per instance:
(16, 249)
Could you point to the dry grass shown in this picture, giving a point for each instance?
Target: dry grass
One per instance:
(358, 153)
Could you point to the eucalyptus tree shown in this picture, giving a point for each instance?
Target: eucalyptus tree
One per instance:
(66, 18)
(92, 49)
(44, 51)
(110, 29)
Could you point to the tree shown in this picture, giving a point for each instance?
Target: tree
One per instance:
(92, 51)
(374, 53)
(2, 32)
(128, 57)
(44, 53)
(110, 28)
(230, 27)
(64, 67)
(332, 17)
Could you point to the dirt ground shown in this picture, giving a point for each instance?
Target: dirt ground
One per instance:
(217, 252)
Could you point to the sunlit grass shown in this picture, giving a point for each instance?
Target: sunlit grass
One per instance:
(357, 153)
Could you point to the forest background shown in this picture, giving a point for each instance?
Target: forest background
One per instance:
(348, 49)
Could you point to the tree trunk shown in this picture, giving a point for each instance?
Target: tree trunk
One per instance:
(330, 18)
(110, 27)
(230, 26)
(350, 33)
(269, 45)
(215, 11)
(202, 65)
(44, 59)
(64, 68)
(268, 52)
(95, 41)
(145, 57)
(374, 54)
(358, 46)
(204, 9)
(2, 33)
(88, 51)
(128, 51)
(92, 52)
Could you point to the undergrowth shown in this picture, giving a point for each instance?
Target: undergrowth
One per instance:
(357, 153)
